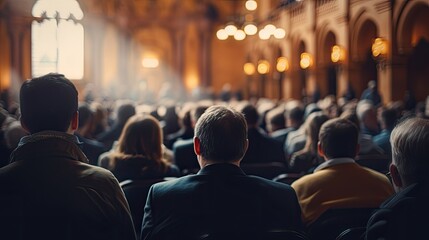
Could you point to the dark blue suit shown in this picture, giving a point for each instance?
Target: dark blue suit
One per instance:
(219, 199)
(402, 216)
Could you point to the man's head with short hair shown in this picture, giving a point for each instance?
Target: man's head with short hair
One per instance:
(49, 102)
(220, 135)
(294, 116)
(250, 114)
(85, 115)
(388, 118)
(410, 151)
(338, 138)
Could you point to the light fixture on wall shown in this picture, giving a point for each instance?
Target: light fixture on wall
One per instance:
(379, 51)
(282, 64)
(306, 60)
(263, 67)
(338, 54)
(249, 68)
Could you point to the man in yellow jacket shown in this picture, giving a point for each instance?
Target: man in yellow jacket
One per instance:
(339, 182)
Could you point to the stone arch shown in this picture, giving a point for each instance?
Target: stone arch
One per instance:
(413, 44)
(363, 67)
(327, 74)
(412, 24)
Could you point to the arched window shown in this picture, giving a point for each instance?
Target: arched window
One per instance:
(57, 38)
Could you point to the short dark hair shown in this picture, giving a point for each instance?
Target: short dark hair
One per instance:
(222, 132)
(85, 114)
(48, 103)
(389, 116)
(338, 138)
(295, 114)
(251, 114)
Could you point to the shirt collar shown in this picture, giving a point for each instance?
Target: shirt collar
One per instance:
(48, 134)
(333, 162)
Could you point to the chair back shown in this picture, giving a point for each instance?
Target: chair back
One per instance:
(357, 233)
(288, 178)
(266, 170)
(252, 235)
(334, 221)
(136, 192)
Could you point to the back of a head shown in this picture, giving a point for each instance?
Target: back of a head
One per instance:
(141, 135)
(389, 118)
(351, 116)
(275, 119)
(85, 114)
(222, 132)
(251, 114)
(313, 124)
(363, 108)
(48, 103)
(295, 115)
(125, 111)
(339, 138)
(410, 141)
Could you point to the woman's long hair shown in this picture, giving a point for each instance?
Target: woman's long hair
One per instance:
(142, 136)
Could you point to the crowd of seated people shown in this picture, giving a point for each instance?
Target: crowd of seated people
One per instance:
(134, 140)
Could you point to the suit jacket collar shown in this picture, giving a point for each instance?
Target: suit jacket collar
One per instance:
(221, 169)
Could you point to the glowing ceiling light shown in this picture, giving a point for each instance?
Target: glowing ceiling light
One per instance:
(250, 29)
(270, 28)
(239, 35)
(221, 34)
(251, 5)
(230, 29)
(264, 34)
(279, 33)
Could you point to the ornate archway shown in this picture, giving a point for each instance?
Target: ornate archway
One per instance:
(363, 66)
(413, 44)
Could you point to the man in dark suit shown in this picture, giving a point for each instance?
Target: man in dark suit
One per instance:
(405, 214)
(220, 200)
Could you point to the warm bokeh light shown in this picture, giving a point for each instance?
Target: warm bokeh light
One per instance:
(263, 67)
(250, 29)
(249, 68)
(264, 34)
(306, 60)
(379, 47)
(239, 35)
(230, 29)
(279, 33)
(270, 28)
(337, 54)
(282, 64)
(251, 5)
(150, 62)
(221, 34)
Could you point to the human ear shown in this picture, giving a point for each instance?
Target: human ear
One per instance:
(396, 178)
